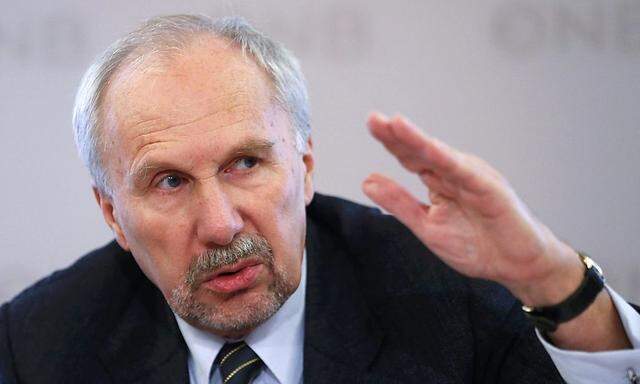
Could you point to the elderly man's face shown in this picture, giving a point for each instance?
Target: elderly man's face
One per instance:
(209, 189)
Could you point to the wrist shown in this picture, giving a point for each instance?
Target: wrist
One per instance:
(548, 318)
(564, 272)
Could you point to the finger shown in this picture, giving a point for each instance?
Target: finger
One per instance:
(381, 129)
(438, 185)
(413, 143)
(455, 168)
(422, 154)
(377, 119)
(396, 200)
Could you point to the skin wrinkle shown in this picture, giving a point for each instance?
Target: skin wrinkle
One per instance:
(155, 71)
(252, 147)
(145, 136)
(227, 109)
(134, 169)
(139, 174)
(235, 109)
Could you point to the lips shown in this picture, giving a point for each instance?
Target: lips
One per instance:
(234, 278)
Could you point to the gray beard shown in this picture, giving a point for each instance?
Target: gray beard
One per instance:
(214, 317)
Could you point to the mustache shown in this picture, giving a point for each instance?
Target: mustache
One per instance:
(244, 246)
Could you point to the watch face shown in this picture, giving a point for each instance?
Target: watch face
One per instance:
(527, 309)
(591, 264)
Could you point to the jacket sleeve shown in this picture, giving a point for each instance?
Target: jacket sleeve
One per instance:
(506, 348)
(7, 369)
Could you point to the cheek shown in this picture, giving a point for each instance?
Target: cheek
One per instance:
(159, 243)
(282, 222)
(286, 199)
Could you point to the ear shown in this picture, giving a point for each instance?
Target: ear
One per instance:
(307, 159)
(108, 212)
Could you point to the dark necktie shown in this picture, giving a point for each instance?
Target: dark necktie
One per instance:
(238, 363)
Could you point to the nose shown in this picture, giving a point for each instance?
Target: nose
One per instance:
(218, 220)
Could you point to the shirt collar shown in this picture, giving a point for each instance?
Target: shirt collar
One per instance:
(278, 341)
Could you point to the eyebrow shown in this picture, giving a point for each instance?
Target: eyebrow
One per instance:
(250, 146)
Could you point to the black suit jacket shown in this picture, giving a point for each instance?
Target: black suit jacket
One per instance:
(380, 308)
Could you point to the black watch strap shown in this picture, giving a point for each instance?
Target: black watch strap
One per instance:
(547, 318)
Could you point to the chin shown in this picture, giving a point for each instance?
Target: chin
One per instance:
(234, 316)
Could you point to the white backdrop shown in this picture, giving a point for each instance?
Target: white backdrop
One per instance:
(547, 91)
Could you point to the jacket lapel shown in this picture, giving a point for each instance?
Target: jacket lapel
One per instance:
(341, 336)
(146, 346)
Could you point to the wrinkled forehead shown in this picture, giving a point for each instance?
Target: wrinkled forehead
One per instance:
(208, 76)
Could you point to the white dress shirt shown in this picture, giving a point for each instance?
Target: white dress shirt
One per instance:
(279, 343)
(609, 367)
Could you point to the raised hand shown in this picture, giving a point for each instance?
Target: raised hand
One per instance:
(475, 222)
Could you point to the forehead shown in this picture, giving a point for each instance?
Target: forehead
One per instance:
(209, 78)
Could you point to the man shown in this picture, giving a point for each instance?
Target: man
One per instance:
(228, 269)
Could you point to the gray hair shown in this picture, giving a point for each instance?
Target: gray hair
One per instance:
(167, 34)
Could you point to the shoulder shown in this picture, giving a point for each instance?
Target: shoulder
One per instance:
(73, 291)
(390, 251)
(68, 314)
(358, 227)
(381, 245)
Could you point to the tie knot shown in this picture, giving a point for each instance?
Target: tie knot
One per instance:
(238, 363)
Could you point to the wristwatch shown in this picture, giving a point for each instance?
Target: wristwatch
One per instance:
(547, 318)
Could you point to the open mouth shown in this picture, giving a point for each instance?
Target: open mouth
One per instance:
(236, 277)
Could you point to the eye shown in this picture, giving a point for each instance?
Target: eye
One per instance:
(243, 164)
(170, 182)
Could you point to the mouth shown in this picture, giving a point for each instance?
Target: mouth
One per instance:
(233, 278)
